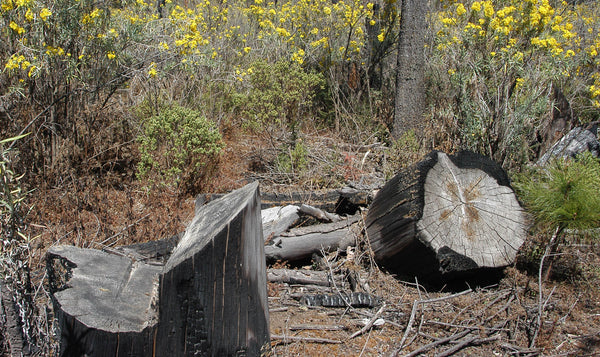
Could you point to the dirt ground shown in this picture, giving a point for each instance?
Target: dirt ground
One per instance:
(510, 318)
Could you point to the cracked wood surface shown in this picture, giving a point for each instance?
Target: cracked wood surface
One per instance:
(446, 215)
(467, 211)
(107, 291)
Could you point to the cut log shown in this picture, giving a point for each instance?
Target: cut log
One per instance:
(446, 217)
(208, 299)
(302, 243)
(213, 288)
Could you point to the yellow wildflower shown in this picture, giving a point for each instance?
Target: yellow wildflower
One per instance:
(45, 14)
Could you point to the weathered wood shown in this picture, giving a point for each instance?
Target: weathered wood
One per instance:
(208, 299)
(575, 142)
(301, 243)
(446, 216)
(107, 305)
(276, 220)
(290, 276)
(213, 288)
(319, 213)
(343, 201)
(343, 299)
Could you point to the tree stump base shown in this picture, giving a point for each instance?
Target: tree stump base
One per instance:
(447, 217)
(209, 298)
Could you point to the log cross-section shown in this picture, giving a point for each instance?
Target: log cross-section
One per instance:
(209, 299)
(447, 215)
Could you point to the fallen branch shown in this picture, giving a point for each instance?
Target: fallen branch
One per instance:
(317, 327)
(305, 277)
(472, 341)
(436, 343)
(291, 339)
(319, 214)
(301, 243)
(416, 304)
(368, 326)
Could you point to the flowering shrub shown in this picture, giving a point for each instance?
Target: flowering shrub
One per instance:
(492, 70)
(495, 64)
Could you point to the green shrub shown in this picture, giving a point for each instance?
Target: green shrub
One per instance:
(279, 94)
(179, 148)
(293, 158)
(563, 196)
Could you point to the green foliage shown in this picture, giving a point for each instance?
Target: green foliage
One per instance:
(565, 195)
(179, 148)
(279, 94)
(293, 158)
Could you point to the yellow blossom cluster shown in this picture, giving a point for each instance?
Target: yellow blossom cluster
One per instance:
(499, 25)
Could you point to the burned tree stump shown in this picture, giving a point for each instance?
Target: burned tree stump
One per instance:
(446, 217)
(208, 299)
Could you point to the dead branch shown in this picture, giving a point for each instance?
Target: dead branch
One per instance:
(289, 276)
(317, 327)
(416, 304)
(368, 326)
(441, 341)
(291, 339)
(471, 341)
(319, 213)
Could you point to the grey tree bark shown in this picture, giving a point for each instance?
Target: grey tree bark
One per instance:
(410, 83)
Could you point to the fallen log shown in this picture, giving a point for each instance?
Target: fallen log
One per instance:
(208, 299)
(309, 277)
(276, 220)
(301, 243)
(343, 201)
(576, 141)
(446, 217)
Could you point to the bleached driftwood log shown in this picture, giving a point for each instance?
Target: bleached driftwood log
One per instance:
(208, 299)
(446, 216)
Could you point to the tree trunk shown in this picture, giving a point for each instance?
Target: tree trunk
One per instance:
(446, 217)
(410, 83)
(208, 299)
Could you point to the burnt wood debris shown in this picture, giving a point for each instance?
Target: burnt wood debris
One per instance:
(204, 291)
(209, 298)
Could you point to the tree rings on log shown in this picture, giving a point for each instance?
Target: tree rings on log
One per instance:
(447, 216)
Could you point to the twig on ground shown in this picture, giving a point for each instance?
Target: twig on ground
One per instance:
(436, 343)
(368, 326)
(467, 342)
(317, 327)
(416, 304)
(291, 339)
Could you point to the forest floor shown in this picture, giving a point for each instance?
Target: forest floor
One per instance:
(514, 317)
